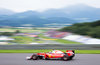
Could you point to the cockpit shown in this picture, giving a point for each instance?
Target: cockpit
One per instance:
(56, 51)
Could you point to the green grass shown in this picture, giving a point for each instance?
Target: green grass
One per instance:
(66, 41)
(25, 40)
(22, 39)
(21, 30)
(88, 51)
(42, 36)
(39, 41)
(38, 51)
(60, 40)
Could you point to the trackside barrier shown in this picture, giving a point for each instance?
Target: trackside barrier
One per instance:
(51, 46)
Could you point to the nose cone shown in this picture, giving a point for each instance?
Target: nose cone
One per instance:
(28, 58)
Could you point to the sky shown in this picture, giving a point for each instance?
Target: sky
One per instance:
(42, 5)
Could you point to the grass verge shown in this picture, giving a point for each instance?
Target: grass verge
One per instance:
(66, 41)
(38, 51)
(60, 40)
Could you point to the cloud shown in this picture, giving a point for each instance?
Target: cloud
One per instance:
(40, 5)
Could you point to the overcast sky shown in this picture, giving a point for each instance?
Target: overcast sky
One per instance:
(41, 5)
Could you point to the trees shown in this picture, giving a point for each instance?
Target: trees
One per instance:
(17, 31)
(9, 33)
(6, 33)
(94, 32)
(90, 28)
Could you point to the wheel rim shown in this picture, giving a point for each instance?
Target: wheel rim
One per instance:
(65, 58)
(34, 57)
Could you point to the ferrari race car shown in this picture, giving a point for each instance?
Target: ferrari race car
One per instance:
(55, 54)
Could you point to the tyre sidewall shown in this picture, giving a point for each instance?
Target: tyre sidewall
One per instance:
(34, 57)
(65, 57)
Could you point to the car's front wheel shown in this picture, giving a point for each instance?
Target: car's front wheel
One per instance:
(34, 57)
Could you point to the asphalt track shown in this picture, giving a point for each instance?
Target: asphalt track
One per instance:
(19, 59)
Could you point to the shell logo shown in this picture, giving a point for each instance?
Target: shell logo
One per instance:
(49, 56)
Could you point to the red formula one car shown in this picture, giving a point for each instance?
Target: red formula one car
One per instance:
(55, 54)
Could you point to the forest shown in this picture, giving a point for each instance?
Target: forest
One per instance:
(91, 29)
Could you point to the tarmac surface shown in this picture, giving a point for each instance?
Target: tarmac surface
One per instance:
(19, 59)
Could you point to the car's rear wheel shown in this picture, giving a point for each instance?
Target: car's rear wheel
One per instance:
(71, 58)
(34, 57)
(65, 57)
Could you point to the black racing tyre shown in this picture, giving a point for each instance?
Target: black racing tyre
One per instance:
(34, 57)
(70, 58)
(65, 57)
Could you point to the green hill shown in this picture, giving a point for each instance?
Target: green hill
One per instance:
(89, 28)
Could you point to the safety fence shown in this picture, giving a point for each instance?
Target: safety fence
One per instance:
(51, 46)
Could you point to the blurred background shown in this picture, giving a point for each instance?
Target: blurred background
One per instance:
(49, 22)
(34, 26)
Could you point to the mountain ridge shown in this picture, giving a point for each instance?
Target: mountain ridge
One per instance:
(66, 15)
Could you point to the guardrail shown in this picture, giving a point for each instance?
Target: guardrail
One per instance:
(50, 46)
